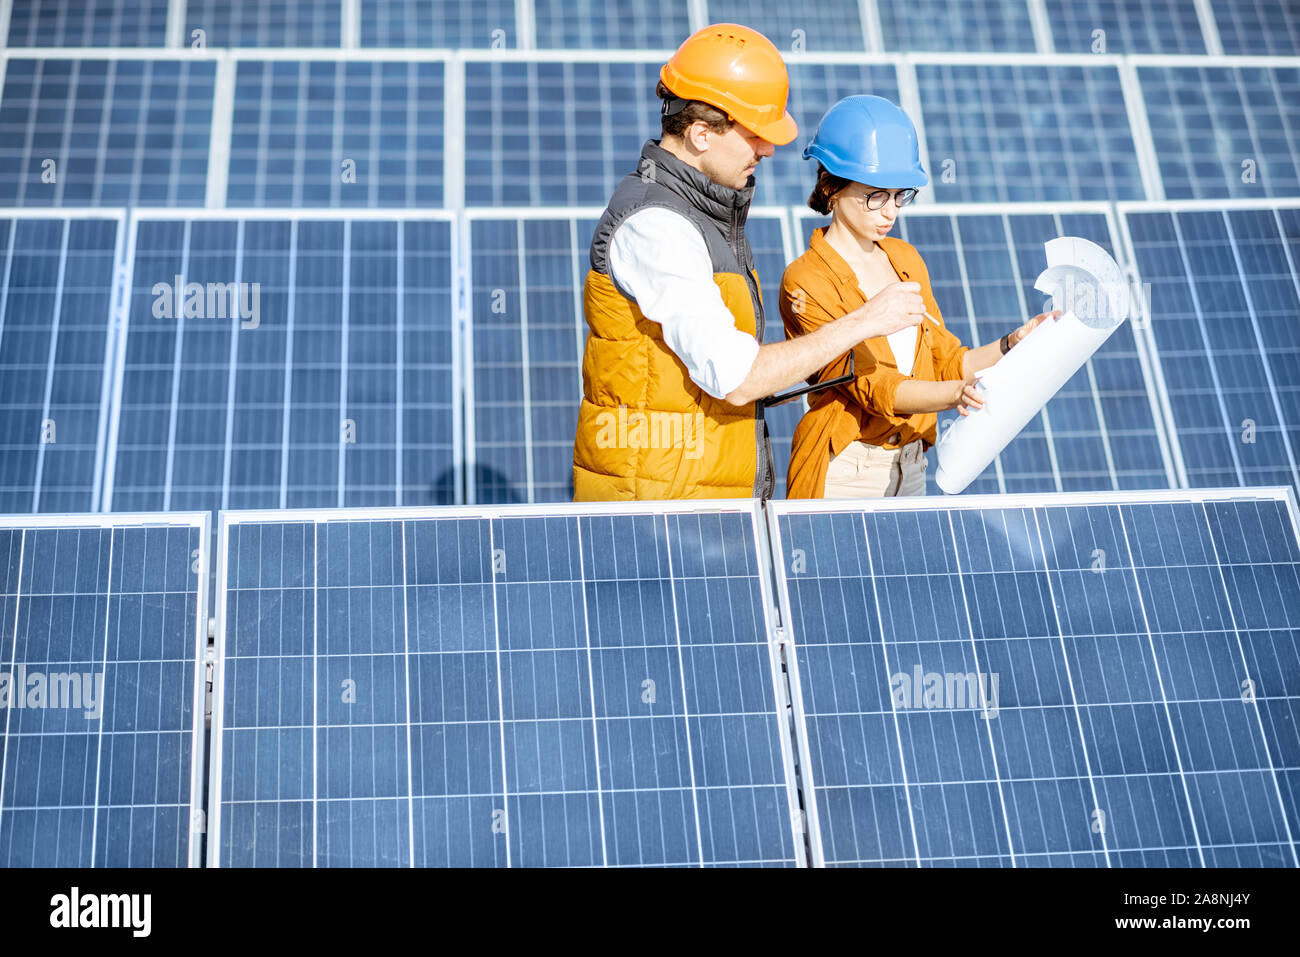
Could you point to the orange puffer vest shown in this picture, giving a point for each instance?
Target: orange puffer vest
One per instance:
(645, 430)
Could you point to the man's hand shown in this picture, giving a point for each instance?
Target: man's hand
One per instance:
(1031, 325)
(896, 307)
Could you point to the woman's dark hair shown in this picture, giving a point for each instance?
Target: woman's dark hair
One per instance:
(679, 123)
(828, 184)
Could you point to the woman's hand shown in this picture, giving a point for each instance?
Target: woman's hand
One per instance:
(966, 397)
(1031, 325)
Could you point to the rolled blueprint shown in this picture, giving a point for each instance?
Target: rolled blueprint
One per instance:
(1088, 285)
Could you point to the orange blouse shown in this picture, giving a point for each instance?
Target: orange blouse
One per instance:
(820, 287)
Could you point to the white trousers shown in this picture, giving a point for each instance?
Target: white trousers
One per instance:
(869, 471)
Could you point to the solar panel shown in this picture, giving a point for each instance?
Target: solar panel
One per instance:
(1132, 26)
(515, 157)
(1097, 681)
(104, 630)
(105, 132)
(334, 385)
(1224, 295)
(1103, 430)
(518, 151)
(528, 331)
(264, 23)
(509, 687)
(321, 133)
(1224, 131)
(998, 133)
(595, 25)
(87, 23)
(439, 23)
(56, 292)
(828, 25)
(1259, 26)
(1000, 25)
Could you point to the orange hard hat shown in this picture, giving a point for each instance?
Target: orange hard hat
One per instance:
(737, 70)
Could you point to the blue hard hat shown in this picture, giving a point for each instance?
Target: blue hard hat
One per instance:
(869, 140)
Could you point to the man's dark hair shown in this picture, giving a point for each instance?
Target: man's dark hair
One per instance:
(679, 123)
(828, 184)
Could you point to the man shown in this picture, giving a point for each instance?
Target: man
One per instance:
(673, 371)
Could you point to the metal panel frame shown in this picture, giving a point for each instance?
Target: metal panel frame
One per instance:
(257, 214)
(1144, 330)
(83, 213)
(317, 516)
(197, 821)
(777, 509)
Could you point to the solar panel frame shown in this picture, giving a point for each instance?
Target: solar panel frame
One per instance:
(998, 34)
(776, 511)
(201, 522)
(1113, 169)
(762, 556)
(1188, 82)
(1146, 26)
(146, 27)
(70, 215)
(1143, 308)
(198, 74)
(299, 217)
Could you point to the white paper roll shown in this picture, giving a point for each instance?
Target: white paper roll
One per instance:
(1086, 282)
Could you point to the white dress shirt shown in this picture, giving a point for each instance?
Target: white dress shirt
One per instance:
(660, 257)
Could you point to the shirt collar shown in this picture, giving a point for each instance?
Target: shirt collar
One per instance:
(840, 269)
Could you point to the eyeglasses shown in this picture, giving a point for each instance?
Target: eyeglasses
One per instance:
(877, 198)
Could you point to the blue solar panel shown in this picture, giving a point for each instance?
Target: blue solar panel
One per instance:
(997, 133)
(338, 389)
(514, 158)
(264, 23)
(118, 132)
(101, 754)
(1224, 131)
(1127, 26)
(1101, 431)
(812, 28)
(56, 289)
(438, 23)
(1225, 293)
(998, 25)
(518, 152)
(596, 25)
(87, 23)
(1096, 684)
(498, 689)
(319, 133)
(1259, 26)
(528, 334)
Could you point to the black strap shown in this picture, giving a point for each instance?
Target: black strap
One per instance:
(782, 399)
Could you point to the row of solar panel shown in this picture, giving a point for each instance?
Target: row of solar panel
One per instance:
(273, 362)
(1009, 26)
(345, 133)
(1083, 681)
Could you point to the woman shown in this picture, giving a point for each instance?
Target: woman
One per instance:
(868, 438)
